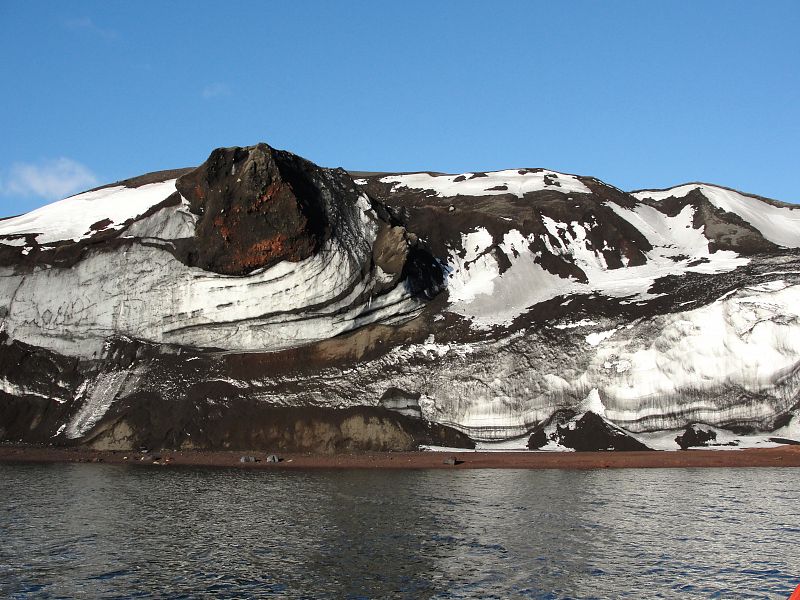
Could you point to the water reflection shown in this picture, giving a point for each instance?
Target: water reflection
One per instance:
(104, 531)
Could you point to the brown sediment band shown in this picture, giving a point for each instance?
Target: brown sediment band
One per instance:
(782, 456)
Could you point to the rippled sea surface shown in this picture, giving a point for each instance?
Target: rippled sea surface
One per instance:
(101, 531)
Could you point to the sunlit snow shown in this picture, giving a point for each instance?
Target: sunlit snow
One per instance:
(778, 224)
(512, 181)
(73, 217)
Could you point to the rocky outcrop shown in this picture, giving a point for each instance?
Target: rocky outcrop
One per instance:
(258, 206)
(244, 425)
(586, 432)
(694, 437)
(258, 250)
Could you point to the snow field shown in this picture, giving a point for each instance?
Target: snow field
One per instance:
(72, 218)
(779, 225)
(511, 181)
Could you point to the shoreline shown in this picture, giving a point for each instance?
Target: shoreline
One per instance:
(782, 456)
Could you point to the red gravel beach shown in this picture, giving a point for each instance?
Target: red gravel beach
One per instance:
(783, 456)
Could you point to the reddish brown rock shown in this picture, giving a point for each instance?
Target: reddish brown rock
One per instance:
(258, 206)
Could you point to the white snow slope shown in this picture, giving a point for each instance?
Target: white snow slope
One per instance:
(480, 292)
(778, 224)
(71, 218)
(512, 181)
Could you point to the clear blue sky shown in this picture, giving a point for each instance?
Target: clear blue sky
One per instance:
(637, 93)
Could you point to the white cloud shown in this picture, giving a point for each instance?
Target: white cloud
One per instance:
(50, 179)
(214, 90)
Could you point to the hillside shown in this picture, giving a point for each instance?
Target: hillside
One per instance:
(262, 301)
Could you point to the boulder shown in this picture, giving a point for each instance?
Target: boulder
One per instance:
(694, 437)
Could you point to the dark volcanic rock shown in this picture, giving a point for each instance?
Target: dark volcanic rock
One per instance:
(538, 439)
(208, 424)
(695, 437)
(786, 441)
(591, 433)
(587, 433)
(258, 206)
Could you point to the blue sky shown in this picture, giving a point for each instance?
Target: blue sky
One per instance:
(639, 94)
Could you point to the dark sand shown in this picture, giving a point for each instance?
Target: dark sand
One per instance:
(783, 456)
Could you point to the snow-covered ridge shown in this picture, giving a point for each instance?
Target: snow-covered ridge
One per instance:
(479, 291)
(73, 217)
(719, 345)
(778, 224)
(511, 181)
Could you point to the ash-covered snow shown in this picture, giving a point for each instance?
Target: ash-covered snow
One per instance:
(593, 403)
(732, 361)
(778, 224)
(572, 325)
(474, 273)
(13, 241)
(169, 223)
(512, 181)
(479, 291)
(677, 244)
(518, 444)
(725, 440)
(730, 356)
(14, 389)
(790, 431)
(146, 293)
(99, 395)
(595, 339)
(72, 218)
(748, 339)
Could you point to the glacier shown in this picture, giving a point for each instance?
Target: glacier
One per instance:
(255, 298)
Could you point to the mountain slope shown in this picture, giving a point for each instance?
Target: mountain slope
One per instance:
(262, 285)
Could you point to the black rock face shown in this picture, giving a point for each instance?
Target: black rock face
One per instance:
(258, 206)
(589, 433)
(195, 423)
(538, 439)
(695, 437)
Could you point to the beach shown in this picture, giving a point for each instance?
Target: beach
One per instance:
(781, 456)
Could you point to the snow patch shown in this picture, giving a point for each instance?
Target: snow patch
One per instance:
(593, 403)
(778, 224)
(72, 218)
(572, 325)
(99, 396)
(13, 389)
(19, 241)
(595, 339)
(517, 182)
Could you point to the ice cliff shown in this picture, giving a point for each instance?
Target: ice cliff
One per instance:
(261, 300)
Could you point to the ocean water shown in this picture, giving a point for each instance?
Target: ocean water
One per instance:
(102, 531)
